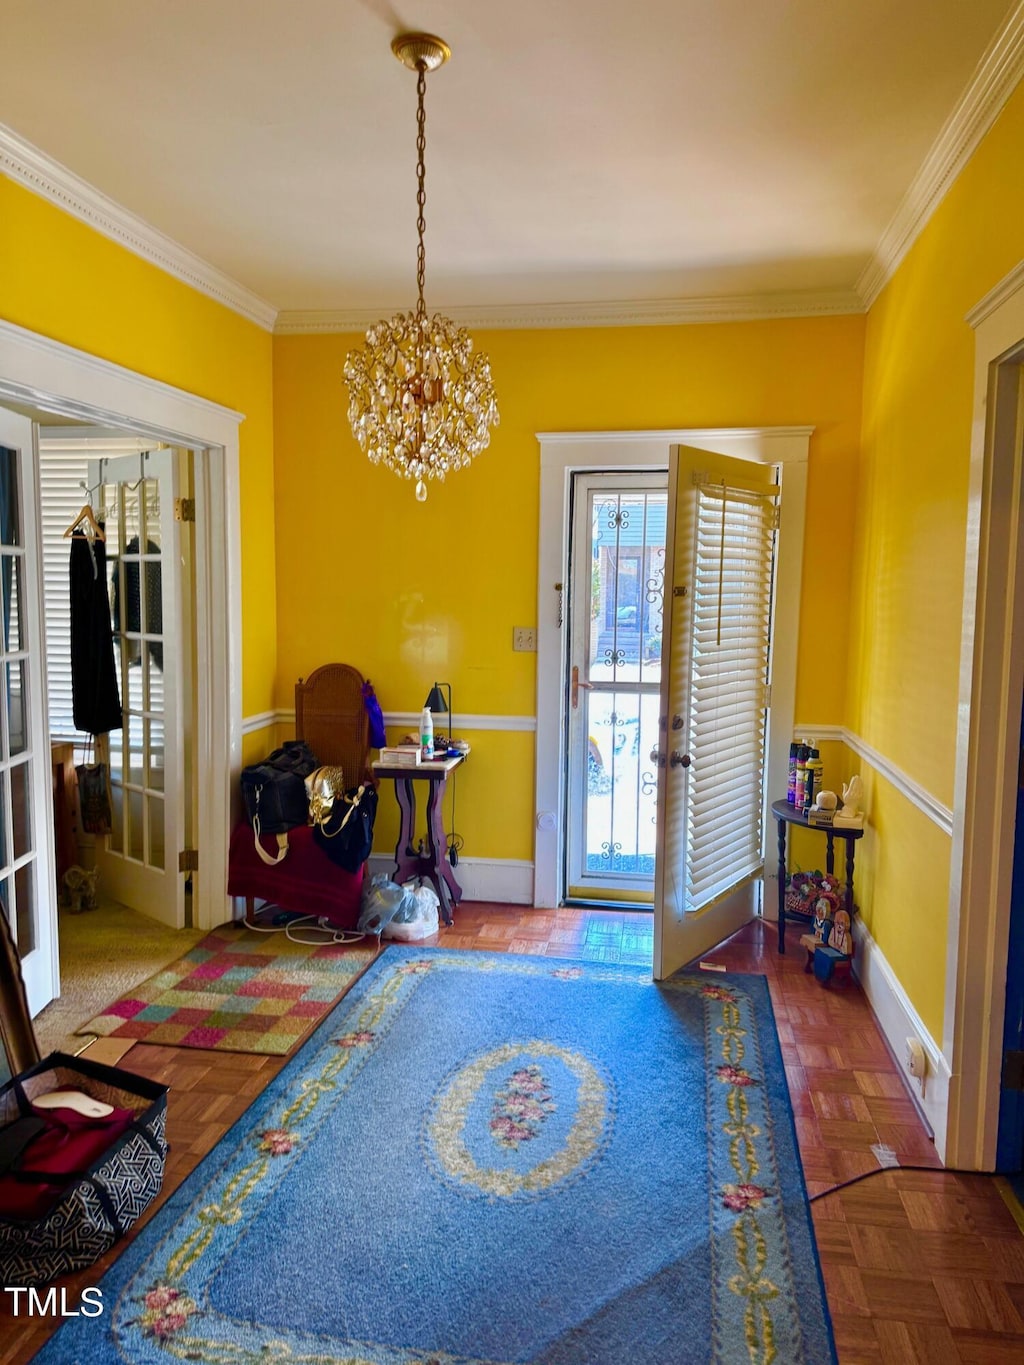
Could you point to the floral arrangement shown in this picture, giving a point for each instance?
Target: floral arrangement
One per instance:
(807, 889)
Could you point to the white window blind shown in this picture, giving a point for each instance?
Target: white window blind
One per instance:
(730, 620)
(61, 475)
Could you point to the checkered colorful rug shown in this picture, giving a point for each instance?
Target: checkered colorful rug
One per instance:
(236, 991)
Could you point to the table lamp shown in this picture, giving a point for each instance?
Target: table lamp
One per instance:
(436, 704)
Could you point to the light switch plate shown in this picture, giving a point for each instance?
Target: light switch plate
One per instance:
(524, 639)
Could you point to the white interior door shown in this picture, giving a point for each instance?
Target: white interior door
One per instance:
(138, 861)
(27, 890)
(714, 702)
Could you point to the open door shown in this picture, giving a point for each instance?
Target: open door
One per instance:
(714, 702)
(27, 889)
(138, 861)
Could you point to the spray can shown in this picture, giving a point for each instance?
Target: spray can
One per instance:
(814, 771)
(791, 785)
(802, 754)
(426, 735)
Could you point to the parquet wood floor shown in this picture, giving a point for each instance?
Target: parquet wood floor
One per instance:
(919, 1266)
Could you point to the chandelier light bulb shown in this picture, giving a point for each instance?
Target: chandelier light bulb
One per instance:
(421, 400)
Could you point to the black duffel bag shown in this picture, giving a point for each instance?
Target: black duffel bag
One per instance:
(275, 795)
(346, 836)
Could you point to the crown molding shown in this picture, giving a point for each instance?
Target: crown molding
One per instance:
(997, 74)
(635, 313)
(995, 298)
(27, 165)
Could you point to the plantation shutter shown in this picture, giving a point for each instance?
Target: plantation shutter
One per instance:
(730, 620)
(62, 475)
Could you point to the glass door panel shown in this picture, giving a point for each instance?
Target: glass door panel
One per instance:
(618, 574)
(27, 890)
(139, 863)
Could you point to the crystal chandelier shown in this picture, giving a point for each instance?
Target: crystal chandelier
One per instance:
(421, 401)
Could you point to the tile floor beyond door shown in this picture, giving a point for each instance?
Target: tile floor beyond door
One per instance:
(919, 1266)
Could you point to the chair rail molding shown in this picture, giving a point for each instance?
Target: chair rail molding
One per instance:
(917, 795)
(398, 719)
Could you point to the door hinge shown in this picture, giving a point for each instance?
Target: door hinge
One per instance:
(184, 509)
(775, 518)
(767, 696)
(188, 860)
(1013, 1070)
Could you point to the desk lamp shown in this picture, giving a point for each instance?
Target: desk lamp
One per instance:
(436, 705)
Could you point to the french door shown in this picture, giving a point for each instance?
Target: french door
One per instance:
(714, 702)
(27, 890)
(146, 558)
(617, 576)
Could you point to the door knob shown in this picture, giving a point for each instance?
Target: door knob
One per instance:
(678, 760)
(657, 757)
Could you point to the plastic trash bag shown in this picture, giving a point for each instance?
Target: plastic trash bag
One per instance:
(418, 921)
(381, 901)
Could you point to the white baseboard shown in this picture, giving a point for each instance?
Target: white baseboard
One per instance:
(899, 1021)
(509, 881)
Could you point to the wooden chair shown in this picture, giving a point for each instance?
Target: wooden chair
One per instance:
(331, 717)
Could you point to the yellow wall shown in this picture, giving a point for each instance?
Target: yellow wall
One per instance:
(910, 545)
(409, 593)
(65, 281)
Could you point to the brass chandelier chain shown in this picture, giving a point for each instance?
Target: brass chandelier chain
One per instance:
(421, 399)
(421, 184)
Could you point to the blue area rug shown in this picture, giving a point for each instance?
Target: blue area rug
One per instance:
(486, 1158)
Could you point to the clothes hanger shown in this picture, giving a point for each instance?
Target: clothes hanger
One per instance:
(93, 529)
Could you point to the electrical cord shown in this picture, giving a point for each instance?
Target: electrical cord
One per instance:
(885, 1170)
(316, 924)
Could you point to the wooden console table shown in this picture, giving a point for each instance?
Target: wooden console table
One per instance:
(787, 814)
(433, 863)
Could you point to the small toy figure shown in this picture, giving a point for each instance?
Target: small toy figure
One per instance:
(840, 937)
(822, 919)
(80, 888)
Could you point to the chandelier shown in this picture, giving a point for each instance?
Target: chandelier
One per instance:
(421, 402)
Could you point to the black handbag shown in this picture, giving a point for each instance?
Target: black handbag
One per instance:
(275, 795)
(346, 836)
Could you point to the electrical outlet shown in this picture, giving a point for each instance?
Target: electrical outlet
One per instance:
(916, 1061)
(524, 639)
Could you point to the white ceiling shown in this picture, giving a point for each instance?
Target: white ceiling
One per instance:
(578, 151)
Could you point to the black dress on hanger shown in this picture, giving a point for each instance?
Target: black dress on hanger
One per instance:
(96, 703)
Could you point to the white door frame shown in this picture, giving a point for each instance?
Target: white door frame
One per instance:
(41, 373)
(985, 783)
(561, 455)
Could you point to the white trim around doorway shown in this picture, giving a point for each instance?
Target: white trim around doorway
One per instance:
(561, 455)
(43, 374)
(985, 782)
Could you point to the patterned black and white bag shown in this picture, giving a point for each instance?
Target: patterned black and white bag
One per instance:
(99, 1204)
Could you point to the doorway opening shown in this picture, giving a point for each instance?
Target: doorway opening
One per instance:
(41, 380)
(565, 455)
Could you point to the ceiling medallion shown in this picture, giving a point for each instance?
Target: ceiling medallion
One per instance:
(421, 401)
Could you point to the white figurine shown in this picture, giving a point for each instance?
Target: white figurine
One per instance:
(853, 795)
(850, 816)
